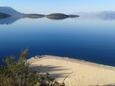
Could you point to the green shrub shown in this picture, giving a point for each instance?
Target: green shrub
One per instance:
(18, 73)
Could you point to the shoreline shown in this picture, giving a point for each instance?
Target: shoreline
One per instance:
(82, 73)
(73, 60)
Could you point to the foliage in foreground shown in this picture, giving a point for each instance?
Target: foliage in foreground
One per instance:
(18, 73)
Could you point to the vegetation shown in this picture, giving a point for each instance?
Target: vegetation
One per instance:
(18, 73)
(57, 16)
(73, 16)
(34, 15)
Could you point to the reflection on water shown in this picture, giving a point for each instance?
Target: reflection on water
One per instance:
(8, 20)
(11, 20)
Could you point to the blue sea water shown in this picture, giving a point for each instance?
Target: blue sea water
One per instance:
(91, 40)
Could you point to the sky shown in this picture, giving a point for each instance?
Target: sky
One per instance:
(65, 6)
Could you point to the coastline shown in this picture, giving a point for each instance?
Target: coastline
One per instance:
(78, 72)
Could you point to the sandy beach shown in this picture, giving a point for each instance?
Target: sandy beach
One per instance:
(76, 72)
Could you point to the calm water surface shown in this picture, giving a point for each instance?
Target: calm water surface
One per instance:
(91, 40)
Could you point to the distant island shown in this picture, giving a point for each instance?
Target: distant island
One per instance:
(107, 15)
(60, 16)
(34, 15)
(10, 12)
(3, 15)
(9, 15)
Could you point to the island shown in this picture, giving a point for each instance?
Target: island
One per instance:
(3, 15)
(60, 16)
(10, 12)
(34, 15)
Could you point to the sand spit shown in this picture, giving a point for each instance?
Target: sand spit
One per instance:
(77, 72)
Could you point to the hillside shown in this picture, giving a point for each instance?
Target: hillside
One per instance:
(3, 15)
(10, 11)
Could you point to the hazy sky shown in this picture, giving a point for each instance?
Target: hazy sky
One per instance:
(67, 6)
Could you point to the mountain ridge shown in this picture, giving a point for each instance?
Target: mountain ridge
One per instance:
(10, 11)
